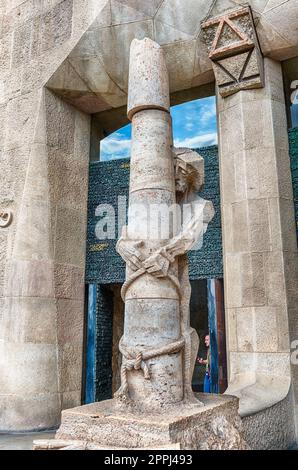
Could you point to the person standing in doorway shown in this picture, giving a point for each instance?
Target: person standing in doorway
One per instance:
(207, 381)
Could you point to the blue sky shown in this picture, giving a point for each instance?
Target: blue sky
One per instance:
(194, 126)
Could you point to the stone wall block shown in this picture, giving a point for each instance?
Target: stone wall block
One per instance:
(266, 329)
(274, 221)
(70, 367)
(30, 320)
(252, 280)
(257, 131)
(73, 187)
(60, 123)
(53, 28)
(33, 230)
(30, 278)
(240, 226)
(293, 324)
(242, 363)
(280, 134)
(274, 278)
(261, 178)
(114, 48)
(279, 363)
(70, 321)
(68, 281)
(91, 13)
(70, 232)
(245, 329)
(232, 269)
(81, 142)
(22, 38)
(44, 411)
(259, 228)
(22, 374)
(3, 254)
(180, 60)
(228, 119)
(291, 276)
(71, 399)
(231, 329)
(283, 315)
(6, 42)
(227, 218)
(21, 120)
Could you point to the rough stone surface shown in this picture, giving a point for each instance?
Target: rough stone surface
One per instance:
(149, 80)
(176, 25)
(272, 428)
(216, 425)
(37, 269)
(234, 51)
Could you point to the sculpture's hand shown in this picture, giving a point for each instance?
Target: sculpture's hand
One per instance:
(157, 265)
(130, 254)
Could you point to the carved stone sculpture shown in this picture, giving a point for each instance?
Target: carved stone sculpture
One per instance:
(158, 346)
(155, 406)
(234, 50)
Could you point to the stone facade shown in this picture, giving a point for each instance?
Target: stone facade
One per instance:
(62, 60)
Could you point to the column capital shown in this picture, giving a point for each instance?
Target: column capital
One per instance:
(234, 51)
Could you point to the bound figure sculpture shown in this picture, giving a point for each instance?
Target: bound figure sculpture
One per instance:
(189, 180)
(158, 345)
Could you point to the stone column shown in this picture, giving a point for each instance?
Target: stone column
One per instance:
(258, 240)
(152, 317)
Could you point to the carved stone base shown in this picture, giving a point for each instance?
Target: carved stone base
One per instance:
(216, 425)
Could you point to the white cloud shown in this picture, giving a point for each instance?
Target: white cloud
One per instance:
(197, 141)
(114, 145)
(208, 112)
(189, 126)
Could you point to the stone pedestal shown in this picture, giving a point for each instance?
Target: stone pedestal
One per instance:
(216, 425)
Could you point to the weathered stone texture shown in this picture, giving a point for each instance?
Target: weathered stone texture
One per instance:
(216, 425)
(271, 429)
(118, 324)
(43, 139)
(234, 50)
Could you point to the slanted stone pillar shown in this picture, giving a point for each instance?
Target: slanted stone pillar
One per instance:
(258, 240)
(41, 326)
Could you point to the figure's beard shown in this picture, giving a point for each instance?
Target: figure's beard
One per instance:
(180, 193)
(181, 188)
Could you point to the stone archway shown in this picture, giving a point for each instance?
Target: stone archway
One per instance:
(83, 58)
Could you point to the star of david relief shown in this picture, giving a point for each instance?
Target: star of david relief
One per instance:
(234, 50)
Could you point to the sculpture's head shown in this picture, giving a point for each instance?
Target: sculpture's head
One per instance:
(189, 170)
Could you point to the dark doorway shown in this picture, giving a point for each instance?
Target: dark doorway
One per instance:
(207, 317)
(106, 320)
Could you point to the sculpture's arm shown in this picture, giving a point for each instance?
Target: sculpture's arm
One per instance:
(193, 230)
(128, 250)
